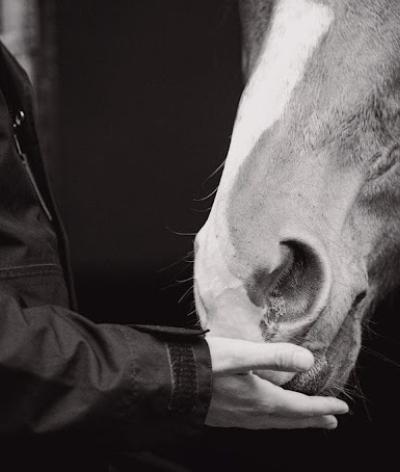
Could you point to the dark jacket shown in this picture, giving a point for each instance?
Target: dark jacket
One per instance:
(63, 379)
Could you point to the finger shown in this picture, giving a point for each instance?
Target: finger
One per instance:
(235, 356)
(272, 422)
(321, 422)
(297, 405)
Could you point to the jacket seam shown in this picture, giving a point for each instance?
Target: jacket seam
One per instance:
(28, 266)
(29, 270)
(133, 393)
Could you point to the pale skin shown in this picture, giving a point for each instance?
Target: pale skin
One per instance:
(241, 399)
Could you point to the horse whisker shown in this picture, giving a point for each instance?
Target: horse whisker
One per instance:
(203, 199)
(175, 263)
(182, 281)
(179, 233)
(185, 294)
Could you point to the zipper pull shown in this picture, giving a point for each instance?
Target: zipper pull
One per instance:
(18, 120)
(17, 123)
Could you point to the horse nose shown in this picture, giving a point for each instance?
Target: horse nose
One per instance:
(298, 287)
(270, 274)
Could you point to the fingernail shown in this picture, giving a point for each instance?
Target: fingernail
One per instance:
(304, 359)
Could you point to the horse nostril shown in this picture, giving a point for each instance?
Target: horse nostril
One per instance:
(291, 290)
(264, 281)
(290, 273)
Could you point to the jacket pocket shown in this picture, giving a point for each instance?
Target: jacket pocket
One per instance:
(34, 284)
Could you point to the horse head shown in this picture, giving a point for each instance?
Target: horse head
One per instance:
(304, 236)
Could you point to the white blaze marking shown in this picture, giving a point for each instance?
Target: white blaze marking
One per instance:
(297, 27)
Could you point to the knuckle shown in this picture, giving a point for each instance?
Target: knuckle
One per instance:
(279, 359)
(284, 357)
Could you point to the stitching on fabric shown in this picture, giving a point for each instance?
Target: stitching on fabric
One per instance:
(185, 390)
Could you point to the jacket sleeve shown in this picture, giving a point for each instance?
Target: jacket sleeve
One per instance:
(125, 386)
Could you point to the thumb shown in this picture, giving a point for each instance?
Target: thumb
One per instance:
(233, 356)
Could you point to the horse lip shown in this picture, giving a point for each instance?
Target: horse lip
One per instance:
(313, 380)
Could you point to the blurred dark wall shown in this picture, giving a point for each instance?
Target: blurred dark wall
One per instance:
(147, 97)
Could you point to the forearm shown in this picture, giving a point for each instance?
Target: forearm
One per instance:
(62, 374)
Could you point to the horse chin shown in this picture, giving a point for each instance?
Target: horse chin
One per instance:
(326, 377)
(331, 370)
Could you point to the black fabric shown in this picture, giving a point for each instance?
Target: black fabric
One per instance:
(70, 387)
(17, 94)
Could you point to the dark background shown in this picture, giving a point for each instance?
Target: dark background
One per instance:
(147, 94)
(147, 97)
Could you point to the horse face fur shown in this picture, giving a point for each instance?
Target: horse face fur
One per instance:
(304, 235)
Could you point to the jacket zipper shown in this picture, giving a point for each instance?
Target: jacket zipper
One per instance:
(24, 159)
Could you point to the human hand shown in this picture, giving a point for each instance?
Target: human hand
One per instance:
(242, 399)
